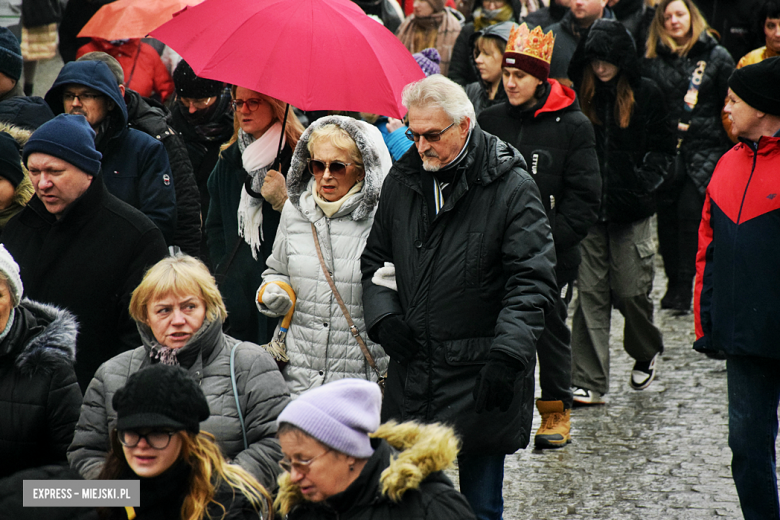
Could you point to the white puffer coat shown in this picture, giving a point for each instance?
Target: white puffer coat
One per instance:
(319, 344)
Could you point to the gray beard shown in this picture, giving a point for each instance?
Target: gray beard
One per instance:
(430, 168)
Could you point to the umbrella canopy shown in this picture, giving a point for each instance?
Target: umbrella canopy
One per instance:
(313, 54)
(131, 18)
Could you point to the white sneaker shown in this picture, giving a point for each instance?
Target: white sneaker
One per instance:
(643, 374)
(583, 396)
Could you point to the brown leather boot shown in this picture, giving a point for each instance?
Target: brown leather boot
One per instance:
(556, 424)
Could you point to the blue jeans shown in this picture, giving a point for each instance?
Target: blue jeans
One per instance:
(482, 483)
(754, 395)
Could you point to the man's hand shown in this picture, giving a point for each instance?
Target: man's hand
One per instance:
(274, 189)
(397, 339)
(495, 384)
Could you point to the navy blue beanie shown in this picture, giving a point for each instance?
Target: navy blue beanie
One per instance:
(10, 163)
(67, 137)
(10, 55)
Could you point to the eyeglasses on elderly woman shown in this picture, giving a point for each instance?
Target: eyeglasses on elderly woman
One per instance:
(301, 466)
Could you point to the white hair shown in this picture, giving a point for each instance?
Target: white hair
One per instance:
(441, 92)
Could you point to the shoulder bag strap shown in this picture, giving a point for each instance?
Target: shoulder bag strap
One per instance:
(352, 328)
(235, 393)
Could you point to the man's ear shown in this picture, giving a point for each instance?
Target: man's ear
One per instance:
(122, 90)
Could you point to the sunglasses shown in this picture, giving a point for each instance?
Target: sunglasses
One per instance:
(252, 104)
(431, 137)
(158, 440)
(318, 168)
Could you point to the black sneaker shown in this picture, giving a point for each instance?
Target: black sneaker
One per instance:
(643, 373)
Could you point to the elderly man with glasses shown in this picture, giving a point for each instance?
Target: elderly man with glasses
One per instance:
(464, 228)
(135, 165)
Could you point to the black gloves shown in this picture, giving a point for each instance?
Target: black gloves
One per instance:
(396, 338)
(495, 384)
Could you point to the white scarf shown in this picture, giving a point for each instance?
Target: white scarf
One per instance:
(257, 156)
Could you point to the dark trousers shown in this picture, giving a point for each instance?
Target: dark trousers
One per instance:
(754, 395)
(679, 215)
(482, 483)
(554, 352)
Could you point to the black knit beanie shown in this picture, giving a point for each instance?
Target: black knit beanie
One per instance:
(188, 85)
(67, 137)
(757, 85)
(10, 160)
(10, 55)
(160, 396)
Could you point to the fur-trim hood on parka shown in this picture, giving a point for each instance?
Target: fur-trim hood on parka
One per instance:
(55, 342)
(422, 449)
(24, 191)
(376, 162)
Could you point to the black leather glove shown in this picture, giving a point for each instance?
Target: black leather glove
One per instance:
(396, 338)
(495, 384)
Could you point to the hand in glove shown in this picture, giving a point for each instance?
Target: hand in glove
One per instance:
(274, 190)
(495, 384)
(276, 300)
(396, 338)
(385, 276)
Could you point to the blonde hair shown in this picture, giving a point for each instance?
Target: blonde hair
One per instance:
(292, 130)
(208, 470)
(180, 275)
(624, 100)
(657, 33)
(339, 138)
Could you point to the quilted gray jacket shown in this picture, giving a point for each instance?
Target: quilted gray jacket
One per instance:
(261, 391)
(319, 344)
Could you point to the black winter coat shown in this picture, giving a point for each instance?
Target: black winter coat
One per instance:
(40, 399)
(557, 141)
(150, 117)
(88, 262)
(478, 277)
(706, 140)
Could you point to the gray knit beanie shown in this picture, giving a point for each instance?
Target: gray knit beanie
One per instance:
(10, 270)
(340, 415)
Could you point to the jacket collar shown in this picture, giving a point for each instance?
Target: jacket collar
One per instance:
(82, 209)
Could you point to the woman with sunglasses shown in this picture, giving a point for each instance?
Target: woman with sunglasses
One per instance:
(340, 463)
(334, 182)
(180, 314)
(182, 472)
(247, 193)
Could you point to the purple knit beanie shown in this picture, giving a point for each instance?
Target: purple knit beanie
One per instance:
(340, 415)
(428, 60)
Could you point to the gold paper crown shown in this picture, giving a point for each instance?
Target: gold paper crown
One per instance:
(531, 43)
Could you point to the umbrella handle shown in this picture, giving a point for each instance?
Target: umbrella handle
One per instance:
(289, 290)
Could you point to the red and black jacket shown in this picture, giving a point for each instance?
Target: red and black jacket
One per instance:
(737, 293)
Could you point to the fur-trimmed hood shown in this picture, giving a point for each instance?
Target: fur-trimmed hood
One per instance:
(24, 191)
(418, 451)
(376, 161)
(48, 341)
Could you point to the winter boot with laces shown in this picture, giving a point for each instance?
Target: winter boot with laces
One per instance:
(556, 424)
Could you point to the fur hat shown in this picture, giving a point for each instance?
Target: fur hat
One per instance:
(757, 84)
(160, 396)
(340, 415)
(67, 137)
(530, 51)
(10, 160)
(10, 270)
(428, 60)
(10, 55)
(190, 85)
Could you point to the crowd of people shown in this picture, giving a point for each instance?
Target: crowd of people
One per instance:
(257, 310)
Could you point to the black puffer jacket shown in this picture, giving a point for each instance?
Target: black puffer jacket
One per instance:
(479, 277)
(462, 68)
(706, 140)
(40, 398)
(150, 117)
(633, 160)
(558, 144)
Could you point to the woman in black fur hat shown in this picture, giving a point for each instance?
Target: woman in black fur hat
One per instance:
(634, 144)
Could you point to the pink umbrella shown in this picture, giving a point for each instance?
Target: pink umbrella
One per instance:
(132, 18)
(313, 54)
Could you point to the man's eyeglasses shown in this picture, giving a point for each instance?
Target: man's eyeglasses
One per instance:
(318, 168)
(431, 137)
(198, 104)
(252, 104)
(301, 466)
(158, 440)
(84, 97)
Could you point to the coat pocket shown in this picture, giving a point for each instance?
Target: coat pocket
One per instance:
(469, 351)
